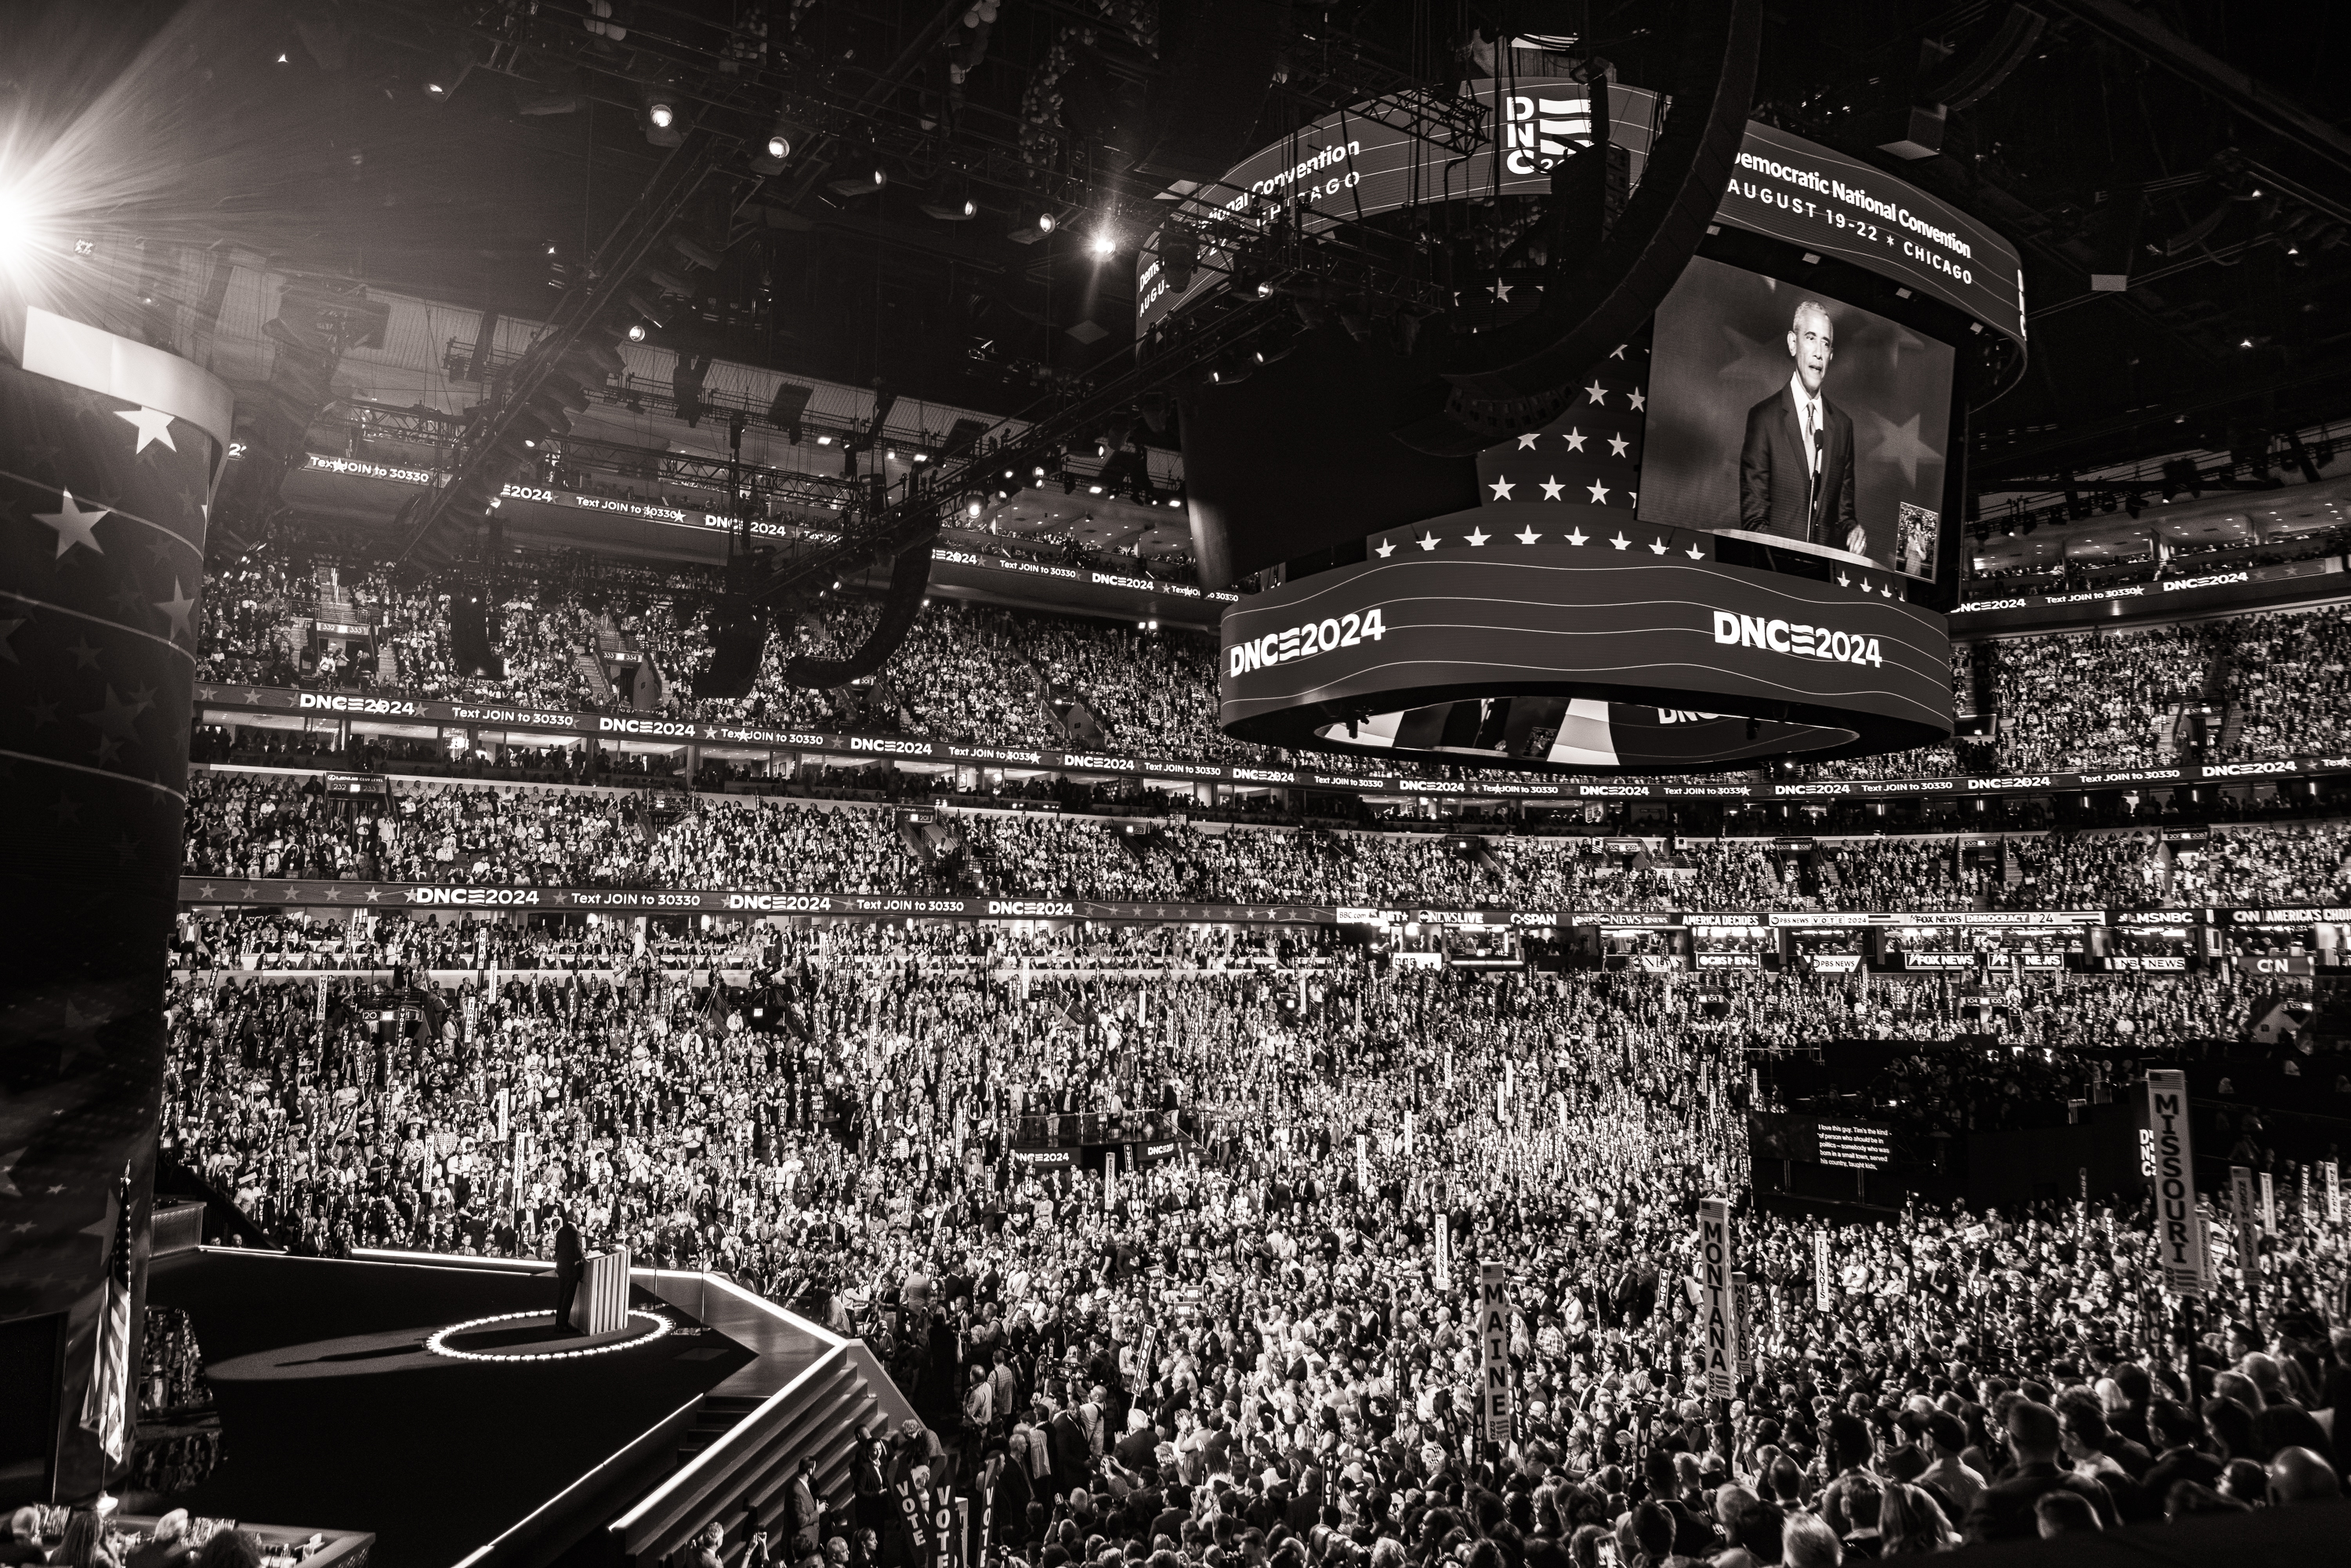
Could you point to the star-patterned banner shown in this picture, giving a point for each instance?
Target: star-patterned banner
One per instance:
(1591, 455)
(103, 510)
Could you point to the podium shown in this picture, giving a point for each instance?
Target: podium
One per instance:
(601, 1306)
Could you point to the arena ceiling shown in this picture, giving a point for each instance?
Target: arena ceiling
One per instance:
(476, 150)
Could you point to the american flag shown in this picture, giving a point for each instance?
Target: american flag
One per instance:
(105, 1409)
(1591, 455)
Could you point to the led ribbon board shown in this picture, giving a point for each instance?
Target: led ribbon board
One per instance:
(1555, 649)
(1375, 159)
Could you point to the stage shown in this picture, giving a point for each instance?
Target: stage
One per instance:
(335, 1408)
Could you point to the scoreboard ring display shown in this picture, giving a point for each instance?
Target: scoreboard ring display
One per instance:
(1555, 650)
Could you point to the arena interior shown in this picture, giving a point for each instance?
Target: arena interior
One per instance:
(1174, 783)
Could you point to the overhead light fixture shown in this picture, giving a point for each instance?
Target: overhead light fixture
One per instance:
(660, 101)
(780, 146)
(866, 177)
(636, 331)
(1104, 242)
(824, 440)
(950, 204)
(1035, 224)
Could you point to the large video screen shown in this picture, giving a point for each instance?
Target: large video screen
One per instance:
(1784, 414)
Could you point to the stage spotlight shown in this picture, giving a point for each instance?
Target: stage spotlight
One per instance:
(660, 115)
(1105, 242)
(780, 146)
(636, 331)
(971, 508)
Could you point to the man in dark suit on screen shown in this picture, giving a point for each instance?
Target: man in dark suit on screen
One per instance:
(1795, 470)
(570, 1263)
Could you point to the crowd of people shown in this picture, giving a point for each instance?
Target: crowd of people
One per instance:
(253, 824)
(1285, 1309)
(982, 675)
(1262, 1346)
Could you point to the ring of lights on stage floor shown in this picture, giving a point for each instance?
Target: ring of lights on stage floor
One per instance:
(438, 1341)
(1558, 649)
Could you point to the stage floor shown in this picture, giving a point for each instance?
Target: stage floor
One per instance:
(335, 1414)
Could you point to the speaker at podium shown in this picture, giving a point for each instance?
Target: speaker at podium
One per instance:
(601, 1306)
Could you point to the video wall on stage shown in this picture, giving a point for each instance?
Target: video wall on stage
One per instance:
(1782, 412)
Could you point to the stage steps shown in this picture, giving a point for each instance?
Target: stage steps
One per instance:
(750, 1463)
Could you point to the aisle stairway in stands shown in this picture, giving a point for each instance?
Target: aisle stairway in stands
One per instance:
(591, 670)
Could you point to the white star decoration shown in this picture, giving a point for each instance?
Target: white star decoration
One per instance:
(1843, 581)
(1502, 292)
(1577, 538)
(1617, 352)
(1598, 396)
(1527, 441)
(1477, 538)
(1576, 440)
(153, 425)
(1387, 549)
(1695, 553)
(1501, 489)
(1426, 541)
(1639, 402)
(1526, 535)
(1599, 494)
(1617, 446)
(1657, 547)
(74, 526)
(1620, 541)
(1552, 487)
(178, 608)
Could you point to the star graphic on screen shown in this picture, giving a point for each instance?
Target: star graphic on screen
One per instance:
(1598, 396)
(1426, 541)
(1501, 489)
(1552, 489)
(44, 713)
(1526, 535)
(1527, 440)
(1640, 402)
(1502, 292)
(1387, 549)
(374, 894)
(178, 607)
(85, 656)
(1617, 352)
(153, 425)
(1657, 547)
(1576, 537)
(1620, 541)
(1899, 444)
(1618, 446)
(74, 526)
(1599, 494)
(1477, 538)
(8, 629)
(1576, 440)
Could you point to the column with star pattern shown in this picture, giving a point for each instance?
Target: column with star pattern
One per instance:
(110, 451)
